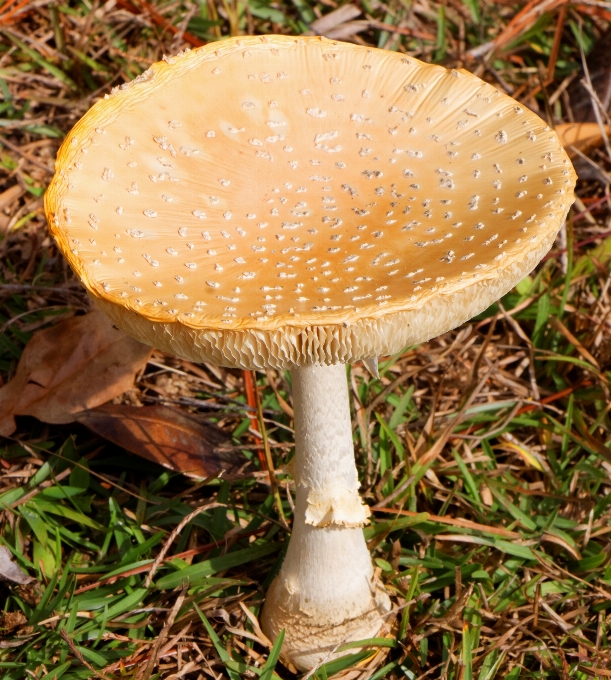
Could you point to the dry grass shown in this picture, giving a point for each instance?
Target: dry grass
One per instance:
(499, 431)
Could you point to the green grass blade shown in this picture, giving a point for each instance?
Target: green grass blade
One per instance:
(268, 670)
(47, 66)
(220, 650)
(198, 572)
(369, 642)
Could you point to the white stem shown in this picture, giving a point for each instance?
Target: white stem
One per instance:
(325, 593)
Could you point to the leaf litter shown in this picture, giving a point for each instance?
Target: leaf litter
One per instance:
(10, 571)
(491, 529)
(78, 364)
(165, 436)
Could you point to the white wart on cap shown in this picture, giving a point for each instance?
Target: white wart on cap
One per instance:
(287, 201)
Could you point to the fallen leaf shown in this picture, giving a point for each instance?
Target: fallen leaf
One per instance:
(332, 20)
(10, 570)
(165, 436)
(7, 644)
(14, 624)
(347, 30)
(78, 364)
(581, 136)
(10, 195)
(10, 621)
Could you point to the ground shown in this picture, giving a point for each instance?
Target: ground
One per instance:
(496, 551)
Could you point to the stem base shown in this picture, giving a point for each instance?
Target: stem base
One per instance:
(312, 638)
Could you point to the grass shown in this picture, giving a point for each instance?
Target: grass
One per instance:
(495, 545)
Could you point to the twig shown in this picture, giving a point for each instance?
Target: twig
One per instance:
(454, 521)
(15, 10)
(210, 405)
(531, 352)
(105, 580)
(179, 527)
(159, 20)
(435, 451)
(163, 635)
(41, 487)
(11, 288)
(11, 321)
(250, 387)
(269, 461)
(74, 649)
(585, 242)
(23, 154)
(597, 108)
(559, 326)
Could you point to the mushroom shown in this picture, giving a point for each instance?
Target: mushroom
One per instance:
(300, 203)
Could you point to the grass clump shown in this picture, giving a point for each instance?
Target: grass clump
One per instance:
(484, 454)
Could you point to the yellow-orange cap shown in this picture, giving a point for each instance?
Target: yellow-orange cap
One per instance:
(275, 201)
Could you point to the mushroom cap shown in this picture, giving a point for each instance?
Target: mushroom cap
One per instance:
(276, 201)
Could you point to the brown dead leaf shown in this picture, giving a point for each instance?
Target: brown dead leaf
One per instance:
(165, 436)
(10, 195)
(14, 624)
(581, 136)
(9, 570)
(348, 30)
(331, 21)
(78, 364)
(10, 621)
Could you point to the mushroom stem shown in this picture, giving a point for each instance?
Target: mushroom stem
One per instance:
(326, 593)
